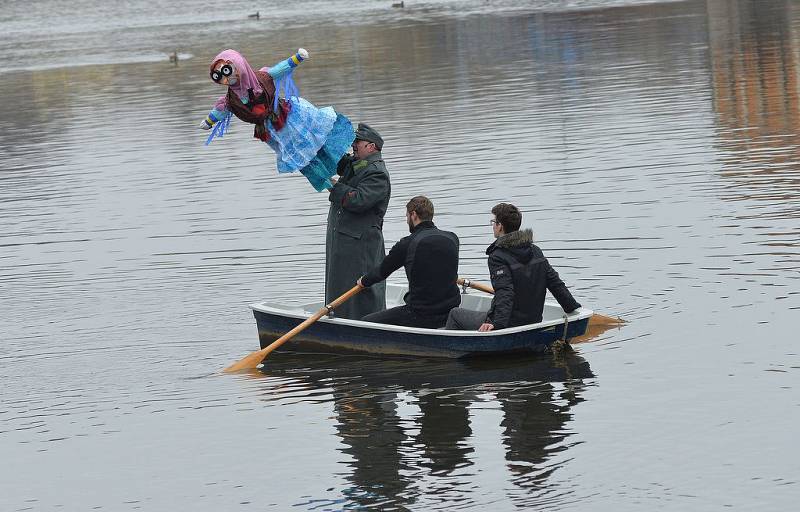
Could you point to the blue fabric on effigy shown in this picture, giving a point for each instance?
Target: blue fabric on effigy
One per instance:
(323, 166)
(312, 138)
(220, 127)
(286, 82)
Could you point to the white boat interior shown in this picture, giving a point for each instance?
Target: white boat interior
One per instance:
(473, 299)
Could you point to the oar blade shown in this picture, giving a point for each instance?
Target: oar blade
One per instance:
(598, 324)
(246, 363)
(603, 320)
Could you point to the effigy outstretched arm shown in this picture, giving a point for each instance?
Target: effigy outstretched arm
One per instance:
(213, 118)
(285, 66)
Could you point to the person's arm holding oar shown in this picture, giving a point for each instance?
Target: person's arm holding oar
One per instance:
(559, 290)
(393, 261)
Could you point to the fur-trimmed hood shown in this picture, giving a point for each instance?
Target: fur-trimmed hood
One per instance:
(519, 243)
(523, 237)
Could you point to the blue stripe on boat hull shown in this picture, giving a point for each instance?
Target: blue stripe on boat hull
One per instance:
(323, 337)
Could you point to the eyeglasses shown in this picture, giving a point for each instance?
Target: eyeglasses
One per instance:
(493, 222)
(225, 71)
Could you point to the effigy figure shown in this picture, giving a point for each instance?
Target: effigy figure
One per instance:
(304, 138)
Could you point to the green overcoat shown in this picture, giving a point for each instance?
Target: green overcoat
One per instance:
(354, 242)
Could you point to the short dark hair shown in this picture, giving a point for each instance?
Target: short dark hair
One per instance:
(509, 216)
(422, 205)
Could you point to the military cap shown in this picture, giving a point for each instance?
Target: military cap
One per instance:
(364, 132)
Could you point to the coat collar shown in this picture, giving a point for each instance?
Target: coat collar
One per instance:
(371, 158)
(425, 224)
(521, 238)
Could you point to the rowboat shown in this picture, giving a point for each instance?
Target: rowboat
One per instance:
(339, 335)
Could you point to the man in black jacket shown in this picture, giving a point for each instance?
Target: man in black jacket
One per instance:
(430, 257)
(520, 276)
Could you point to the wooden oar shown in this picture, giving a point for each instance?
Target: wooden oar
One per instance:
(476, 286)
(255, 358)
(597, 324)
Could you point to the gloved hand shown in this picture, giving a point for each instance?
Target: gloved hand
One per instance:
(204, 125)
(303, 53)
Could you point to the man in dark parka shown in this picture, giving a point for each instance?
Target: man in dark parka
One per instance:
(354, 242)
(521, 276)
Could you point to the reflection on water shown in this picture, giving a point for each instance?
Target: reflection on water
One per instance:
(756, 100)
(652, 147)
(407, 425)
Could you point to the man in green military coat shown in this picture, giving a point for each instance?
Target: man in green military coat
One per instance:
(354, 242)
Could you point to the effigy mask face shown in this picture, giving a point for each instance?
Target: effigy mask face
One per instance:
(225, 73)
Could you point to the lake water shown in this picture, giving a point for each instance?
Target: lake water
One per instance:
(652, 146)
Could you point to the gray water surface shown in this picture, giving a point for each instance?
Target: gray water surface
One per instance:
(652, 146)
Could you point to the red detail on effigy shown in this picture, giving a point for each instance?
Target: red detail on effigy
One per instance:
(260, 132)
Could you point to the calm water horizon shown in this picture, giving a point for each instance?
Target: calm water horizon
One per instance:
(653, 148)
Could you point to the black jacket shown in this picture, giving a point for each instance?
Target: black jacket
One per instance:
(520, 276)
(430, 257)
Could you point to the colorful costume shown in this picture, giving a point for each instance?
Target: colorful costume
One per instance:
(305, 138)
